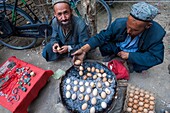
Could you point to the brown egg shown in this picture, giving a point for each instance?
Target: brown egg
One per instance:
(84, 77)
(97, 70)
(89, 74)
(135, 101)
(137, 92)
(77, 62)
(136, 96)
(104, 79)
(92, 69)
(130, 100)
(141, 94)
(134, 111)
(141, 98)
(129, 109)
(147, 96)
(146, 105)
(135, 106)
(146, 101)
(130, 104)
(151, 107)
(101, 70)
(131, 95)
(140, 109)
(152, 98)
(152, 103)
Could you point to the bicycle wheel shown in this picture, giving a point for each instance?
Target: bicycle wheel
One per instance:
(13, 40)
(103, 14)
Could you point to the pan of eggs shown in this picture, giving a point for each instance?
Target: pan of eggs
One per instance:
(139, 100)
(88, 88)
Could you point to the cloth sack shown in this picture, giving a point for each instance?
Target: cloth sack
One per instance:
(117, 67)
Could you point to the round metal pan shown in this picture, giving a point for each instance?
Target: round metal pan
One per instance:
(75, 106)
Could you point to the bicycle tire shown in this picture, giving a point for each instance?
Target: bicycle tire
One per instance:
(104, 16)
(16, 42)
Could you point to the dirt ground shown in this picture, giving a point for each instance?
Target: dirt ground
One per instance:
(155, 80)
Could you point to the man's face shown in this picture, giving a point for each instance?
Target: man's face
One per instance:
(63, 13)
(135, 27)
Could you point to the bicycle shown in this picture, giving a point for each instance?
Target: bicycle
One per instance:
(16, 23)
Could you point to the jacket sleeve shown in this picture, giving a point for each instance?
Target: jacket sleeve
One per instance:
(153, 55)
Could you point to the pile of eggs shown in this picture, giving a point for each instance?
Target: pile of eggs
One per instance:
(139, 101)
(89, 88)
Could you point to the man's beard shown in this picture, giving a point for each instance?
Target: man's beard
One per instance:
(65, 24)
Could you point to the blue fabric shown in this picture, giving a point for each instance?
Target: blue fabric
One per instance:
(129, 45)
(75, 38)
(150, 47)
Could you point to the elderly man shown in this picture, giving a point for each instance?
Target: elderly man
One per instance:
(68, 34)
(136, 39)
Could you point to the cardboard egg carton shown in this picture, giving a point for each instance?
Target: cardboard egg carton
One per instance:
(139, 100)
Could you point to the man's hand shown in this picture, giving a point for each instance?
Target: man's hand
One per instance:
(78, 55)
(123, 55)
(55, 47)
(64, 49)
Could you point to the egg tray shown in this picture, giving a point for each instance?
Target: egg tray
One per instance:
(75, 106)
(139, 100)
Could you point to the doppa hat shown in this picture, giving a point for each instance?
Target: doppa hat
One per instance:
(59, 1)
(144, 11)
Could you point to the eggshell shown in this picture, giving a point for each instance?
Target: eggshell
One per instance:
(146, 105)
(141, 98)
(73, 97)
(103, 95)
(141, 103)
(142, 91)
(68, 87)
(92, 84)
(104, 75)
(145, 110)
(146, 101)
(132, 91)
(81, 68)
(101, 70)
(107, 91)
(80, 96)
(129, 109)
(93, 101)
(137, 89)
(99, 85)
(130, 100)
(77, 62)
(94, 77)
(132, 87)
(151, 112)
(140, 108)
(84, 77)
(82, 89)
(136, 96)
(68, 94)
(152, 103)
(84, 106)
(99, 74)
(151, 107)
(88, 90)
(147, 96)
(135, 101)
(75, 82)
(89, 74)
(81, 83)
(104, 105)
(68, 81)
(87, 83)
(95, 92)
(88, 69)
(137, 92)
(135, 106)
(134, 111)
(107, 84)
(80, 73)
(130, 104)
(92, 69)
(97, 70)
(92, 110)
(75, 88)
(104, 79)
(152, 98)
(141, 94)
(86, 98)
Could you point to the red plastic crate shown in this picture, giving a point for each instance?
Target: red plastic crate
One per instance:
(23, 98)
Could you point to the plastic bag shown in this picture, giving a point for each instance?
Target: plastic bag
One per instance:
(119, 69)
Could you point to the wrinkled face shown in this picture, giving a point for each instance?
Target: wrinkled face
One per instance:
(62, 12)
(135, 27)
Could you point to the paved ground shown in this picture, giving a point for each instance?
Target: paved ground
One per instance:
(155, 80)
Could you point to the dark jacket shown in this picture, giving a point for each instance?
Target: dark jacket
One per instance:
(151, 48)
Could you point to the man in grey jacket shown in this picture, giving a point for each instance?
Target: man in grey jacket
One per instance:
(69, 32)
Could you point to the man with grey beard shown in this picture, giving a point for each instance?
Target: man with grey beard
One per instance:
(69, 32)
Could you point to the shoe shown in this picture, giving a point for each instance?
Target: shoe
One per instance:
(108, 58)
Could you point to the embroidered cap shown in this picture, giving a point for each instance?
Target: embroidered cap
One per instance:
(144, 11)
(59, 1)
